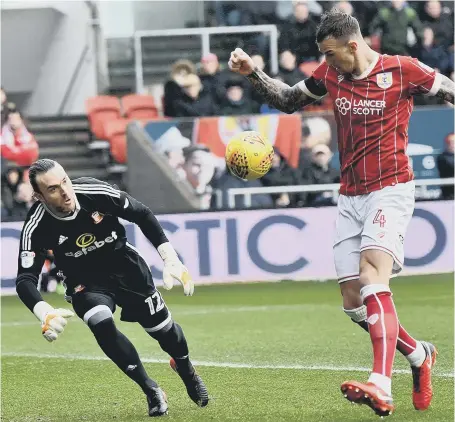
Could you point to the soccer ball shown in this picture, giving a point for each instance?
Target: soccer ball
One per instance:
(249, 156)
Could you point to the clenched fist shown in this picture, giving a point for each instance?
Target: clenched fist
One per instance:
(240, 62)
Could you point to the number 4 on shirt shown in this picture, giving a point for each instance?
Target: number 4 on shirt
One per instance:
(379, 218)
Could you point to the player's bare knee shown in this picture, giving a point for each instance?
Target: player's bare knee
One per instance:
(368, 270)
(97, 315)
(353, 305)
(350, 291)
(375, 267)
(352, 302)
(368, 275)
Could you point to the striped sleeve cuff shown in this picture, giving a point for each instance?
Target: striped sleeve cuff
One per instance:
(436, 85)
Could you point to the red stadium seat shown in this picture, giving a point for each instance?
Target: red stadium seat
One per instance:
(139, 106)
(116, 134)
(100, 110)
(309, 67)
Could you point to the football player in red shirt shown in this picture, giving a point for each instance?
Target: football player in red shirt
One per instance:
(373, 100)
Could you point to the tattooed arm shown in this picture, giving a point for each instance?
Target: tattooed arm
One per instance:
(424, 80)
(278, 94)
(446, 90)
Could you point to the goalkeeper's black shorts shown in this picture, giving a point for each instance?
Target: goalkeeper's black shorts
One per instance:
(131, 288)
(150, 311)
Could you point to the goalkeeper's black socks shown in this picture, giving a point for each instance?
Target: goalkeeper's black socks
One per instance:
(185, 367)
(122, 352)
(173, 342)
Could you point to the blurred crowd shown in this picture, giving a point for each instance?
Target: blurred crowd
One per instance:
(207, 174)
(205, 171)
(211, 91)
(421, 29)
(416, 28)
(18, 151)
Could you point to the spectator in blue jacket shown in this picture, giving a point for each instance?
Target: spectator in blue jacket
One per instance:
(431, 54)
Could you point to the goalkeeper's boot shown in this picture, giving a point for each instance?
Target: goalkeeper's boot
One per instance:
(195, 387)
(157, 401)
(369, 394)
(422, 390)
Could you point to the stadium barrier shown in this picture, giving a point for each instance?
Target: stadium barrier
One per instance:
(333, 187)
(205, 34)
(151, 180)
(247, 246)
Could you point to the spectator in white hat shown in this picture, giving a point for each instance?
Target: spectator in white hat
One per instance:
(171, 145)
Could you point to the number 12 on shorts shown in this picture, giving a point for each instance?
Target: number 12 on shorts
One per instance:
(379, 218)
(155, 302)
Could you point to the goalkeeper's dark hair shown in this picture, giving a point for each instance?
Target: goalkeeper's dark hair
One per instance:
(337, 24)
(39, 167)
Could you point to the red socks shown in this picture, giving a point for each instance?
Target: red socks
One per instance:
(406, 344)
(383, 326)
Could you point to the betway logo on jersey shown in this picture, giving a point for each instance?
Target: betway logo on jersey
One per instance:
(363, 107)
(89, 243)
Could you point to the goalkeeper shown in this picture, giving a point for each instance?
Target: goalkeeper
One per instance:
(78, 220)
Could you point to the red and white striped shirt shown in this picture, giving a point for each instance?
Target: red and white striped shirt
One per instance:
(372, 112)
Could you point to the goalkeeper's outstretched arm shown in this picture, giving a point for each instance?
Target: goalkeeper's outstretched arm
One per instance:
(125, 206)
(30, 262)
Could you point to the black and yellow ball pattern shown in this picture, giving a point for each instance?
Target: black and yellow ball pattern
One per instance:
(249, 156)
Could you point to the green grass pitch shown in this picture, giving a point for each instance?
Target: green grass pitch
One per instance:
(267, 351)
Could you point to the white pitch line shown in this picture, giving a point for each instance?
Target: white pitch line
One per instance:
(224, 364)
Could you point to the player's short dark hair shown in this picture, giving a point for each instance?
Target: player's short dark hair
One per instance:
(337, 24)
(41, 166)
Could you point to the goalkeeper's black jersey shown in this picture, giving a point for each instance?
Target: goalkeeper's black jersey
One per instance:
(88, 243)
